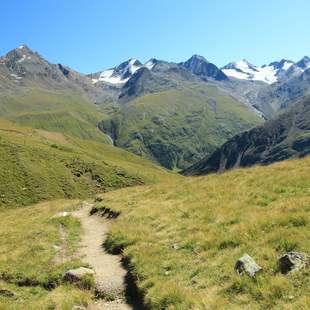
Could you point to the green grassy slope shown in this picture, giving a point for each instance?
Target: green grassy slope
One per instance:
(176, 128)
(184, 236)
(62, 111)
(37, 165)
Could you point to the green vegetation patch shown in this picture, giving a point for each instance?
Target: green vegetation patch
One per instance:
(34, 168)
(177, 128)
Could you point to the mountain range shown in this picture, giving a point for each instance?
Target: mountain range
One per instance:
(172, 113)
(86, 147)
(274, 72)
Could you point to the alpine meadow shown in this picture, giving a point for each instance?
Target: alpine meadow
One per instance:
(143, 167)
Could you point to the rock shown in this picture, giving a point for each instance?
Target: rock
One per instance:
(61, 214)
(175, 247)
(246, 264)
(293, 261)
(76, 275)
(7, 293)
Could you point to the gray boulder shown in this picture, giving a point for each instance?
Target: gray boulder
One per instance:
(247, 265)
(293, 261)
(76, 275)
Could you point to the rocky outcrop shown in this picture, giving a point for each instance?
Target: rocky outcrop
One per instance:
(201, 67)
(247, 265)
(293, 261)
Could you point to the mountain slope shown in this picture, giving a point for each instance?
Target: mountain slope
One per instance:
(39, 165)
(36, 93)
(176, 127)
(285, 137)
(60, 111)
(22, 68)
(283, 94)
(184, 237)
(269, 88)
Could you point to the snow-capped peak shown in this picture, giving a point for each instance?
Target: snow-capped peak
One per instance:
(267, 73)
(243, 63)
(122, 73)
(150, 64)
(133, 65)
(304, 63)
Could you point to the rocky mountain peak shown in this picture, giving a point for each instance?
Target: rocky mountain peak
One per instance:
(304, 63)
(200, 66)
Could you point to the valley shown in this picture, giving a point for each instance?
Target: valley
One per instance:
(140, 186)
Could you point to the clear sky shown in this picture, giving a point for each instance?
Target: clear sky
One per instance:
(90, 35)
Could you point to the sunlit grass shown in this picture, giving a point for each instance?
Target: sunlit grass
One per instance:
(184, 236)
(37, 165)
(29, 238)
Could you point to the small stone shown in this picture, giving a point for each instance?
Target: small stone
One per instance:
(293, 261)
(246, 264)
(61, 214)
(175, 247)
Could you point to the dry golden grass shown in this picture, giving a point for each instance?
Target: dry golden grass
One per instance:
(183, 237)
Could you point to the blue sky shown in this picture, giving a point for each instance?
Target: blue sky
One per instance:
(90, 35)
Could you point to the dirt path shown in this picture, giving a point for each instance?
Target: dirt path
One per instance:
(110, 275)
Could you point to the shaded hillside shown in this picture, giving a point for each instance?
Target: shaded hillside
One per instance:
(285, 137)
(39, 165)
(176, 128)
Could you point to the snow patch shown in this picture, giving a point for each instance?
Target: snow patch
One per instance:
(287, 65)
(113, 76)
(22, 59)
(109, 76)
(245, 71)
(16, 77)
(150, 64)
(236, 74)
